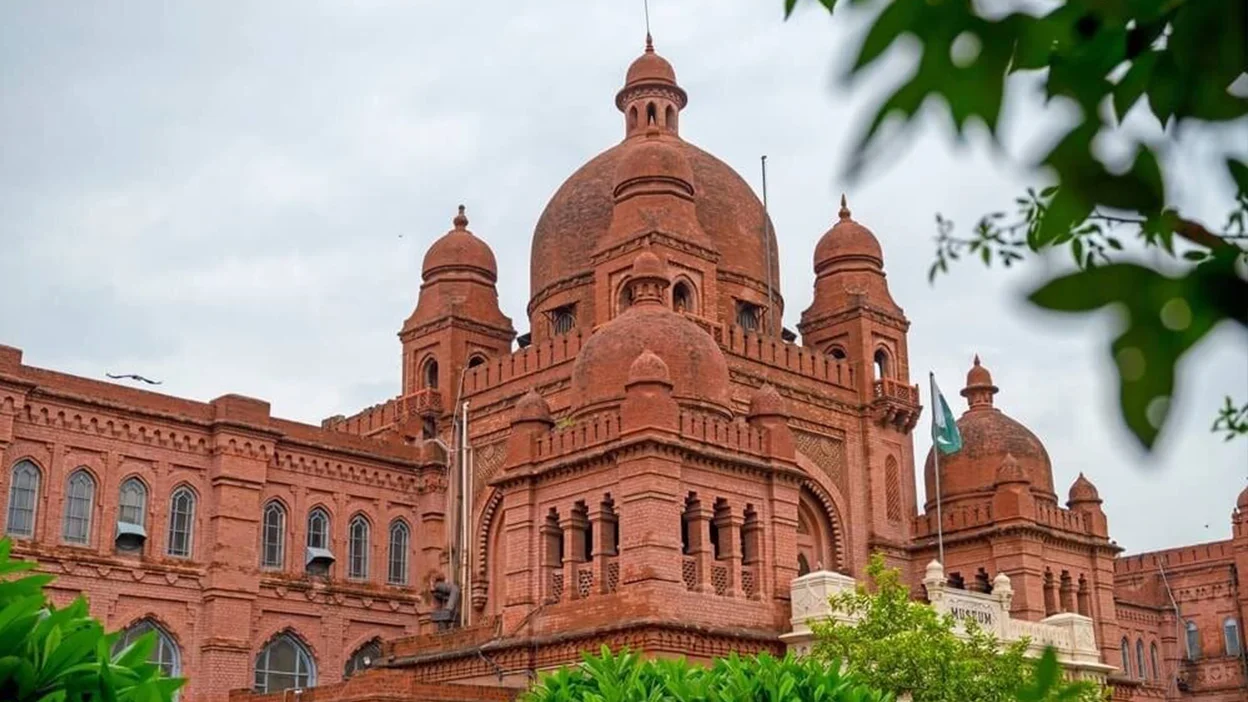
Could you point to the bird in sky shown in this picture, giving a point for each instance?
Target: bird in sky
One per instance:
(132, 376)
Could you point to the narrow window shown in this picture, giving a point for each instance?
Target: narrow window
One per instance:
(23, 497)
(1152, 654)
(430, 374)
(1141, 670)
(1230, 632)
(881, 364)
(632, 118)
(1193, 640)
(669, 118)
(284, 664)
(837, 353)
(318, 529)
(682, 297)
(273, 551)
(181, 520)
(651, 115)
(79, 503)
(131, 516)
(357, 548)
(399, 538)
(1126, 657)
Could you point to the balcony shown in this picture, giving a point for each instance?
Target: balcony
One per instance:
(895, 404)
(422, 403)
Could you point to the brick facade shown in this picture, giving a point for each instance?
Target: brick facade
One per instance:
(651, 465)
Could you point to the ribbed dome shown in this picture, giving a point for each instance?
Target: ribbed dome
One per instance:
(695, 365)
(578, 216)
(460, 248)
(847, 240)
(989, 437)
(1082, 490)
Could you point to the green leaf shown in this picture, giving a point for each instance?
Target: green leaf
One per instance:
(1134, 82)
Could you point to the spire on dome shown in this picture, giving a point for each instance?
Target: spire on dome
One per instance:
(461, 220)
(844, 212)
(649, 43)
(979, 388)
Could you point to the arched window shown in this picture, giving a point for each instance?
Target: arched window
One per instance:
(881, 364)
(357, 548)
(79, 503)
(651, 114)
(1193, 640)
(1141, 670)
(132, 503)
(562, 320)
(165, 654)
(669, 118)
(815, 537)
(682, 297)
(273, 548)
(363, 658)
(181, 522)
(632, 118)
(1152, 655)
(625, 298)
(1126, 657)
(131, 516)
(476, 360)
(399, 540)
(318, 528)
(1230, 635)
(23, 500)
(837, 353)
(284, 663)
(430, 374)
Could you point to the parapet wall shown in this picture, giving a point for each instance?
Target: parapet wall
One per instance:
(1200, 554)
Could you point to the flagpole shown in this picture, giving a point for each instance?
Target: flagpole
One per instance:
(940, 522)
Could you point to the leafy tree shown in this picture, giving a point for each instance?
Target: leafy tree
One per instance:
(64, 655)
(626, 677)
(906, 646)
(1142, 73)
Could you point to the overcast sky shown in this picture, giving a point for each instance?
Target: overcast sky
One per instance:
(212, 195)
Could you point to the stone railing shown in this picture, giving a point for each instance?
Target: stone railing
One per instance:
(1073, 635)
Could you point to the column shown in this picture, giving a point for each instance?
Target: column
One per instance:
(1050, 594)
(1068, 592)
(574, 528)
(699, 518)
(751, 557)
(729, 524)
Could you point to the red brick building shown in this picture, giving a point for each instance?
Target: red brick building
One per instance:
(650, 465)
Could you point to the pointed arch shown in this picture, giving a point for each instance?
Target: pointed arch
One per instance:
(359, 546)
(180, 540)
(363, 657)
(273, 535)
(166, 653)
(399, 545)
(818, 530)
(79, 507)
(25, 480)
(283, 663)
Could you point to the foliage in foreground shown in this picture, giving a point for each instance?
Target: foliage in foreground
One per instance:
(1142, 78)
(626, 677)
(64, 655)
(906, 646)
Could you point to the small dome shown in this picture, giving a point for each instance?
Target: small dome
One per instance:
(1242, 502)
(1082, 490)
(654, 158)
(650, 68)
(696, 366)
(978, 375)
(460, 248)
(989, 438)
(847, 239)
(532, 408)
(648, 368)
(766, 402)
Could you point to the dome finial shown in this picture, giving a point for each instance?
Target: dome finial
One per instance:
(844, 213)
(979, 388)
(649, 43)
(461, 219)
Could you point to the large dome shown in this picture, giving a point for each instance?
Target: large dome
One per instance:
(579, 214)
(989, 436)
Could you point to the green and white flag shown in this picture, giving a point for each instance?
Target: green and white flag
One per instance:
(945, 434)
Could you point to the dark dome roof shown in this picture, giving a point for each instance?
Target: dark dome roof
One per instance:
(579, 214)
(460, 248)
